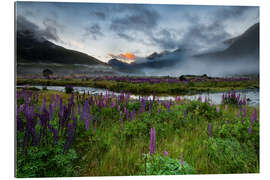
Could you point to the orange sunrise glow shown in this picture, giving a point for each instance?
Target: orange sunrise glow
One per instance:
(128, 56)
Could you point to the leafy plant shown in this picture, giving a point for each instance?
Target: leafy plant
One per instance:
(46, 161)
(69, 89)
(164, 165)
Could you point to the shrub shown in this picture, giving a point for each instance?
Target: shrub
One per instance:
(44, 88)
(45, 161)
(69, 89)
(164, 165)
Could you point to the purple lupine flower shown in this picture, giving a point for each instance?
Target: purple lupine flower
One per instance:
(54, 131)
(209, 128)
(121, 118)
(244, 112)
(217, 109)
(185, 113)
(131, 116)
(200, 99)
(70, 137)
(20, 126)
(44, 119)
(112, 104)
(86, 115)
(226, 107)
(250, 129)
(52, 98)
(181, 159)
(153, 141)
(165, 153)
(168, 106)
(127, 114)
(254, 116)
(238, 114)
(57, 98)
(30, 116)
(51, 112)
(78, 108)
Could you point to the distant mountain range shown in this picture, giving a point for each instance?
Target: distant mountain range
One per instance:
(32, 49)
(243, 46)
(155, 60)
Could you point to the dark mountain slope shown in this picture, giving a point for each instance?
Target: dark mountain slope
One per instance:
(245, 45)
(37, 49)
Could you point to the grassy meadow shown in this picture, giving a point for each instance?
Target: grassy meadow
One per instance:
(63, 134)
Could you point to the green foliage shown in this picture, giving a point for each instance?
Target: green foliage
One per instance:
(135, 129)
(164, 165)
(239, 131)
(230, 100)
(203, 110)
(69, 89)
(45, 161)
(234, 157)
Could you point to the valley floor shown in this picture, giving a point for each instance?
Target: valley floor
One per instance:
(153, 85)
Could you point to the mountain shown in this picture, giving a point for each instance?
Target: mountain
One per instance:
(157, 55)
(245, 45)
(33, 49)
(154, 60)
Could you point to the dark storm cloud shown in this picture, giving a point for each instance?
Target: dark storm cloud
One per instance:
(232, 12)
(125, 36)
(202, 31)
(50, 31)
(136, 17)
(98, 14)
(201, 35)
(24, 25)
(166, 39)
(94, 31)
(198, 34)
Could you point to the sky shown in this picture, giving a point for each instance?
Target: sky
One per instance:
(131, 31)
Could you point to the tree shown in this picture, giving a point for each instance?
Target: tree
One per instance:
(47, 73)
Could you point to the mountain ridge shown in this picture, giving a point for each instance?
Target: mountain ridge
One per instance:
(34, 49)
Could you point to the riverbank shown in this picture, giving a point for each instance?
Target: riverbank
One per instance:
(147, 86)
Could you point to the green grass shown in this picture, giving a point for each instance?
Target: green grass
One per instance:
(147, 88)
(110, 149)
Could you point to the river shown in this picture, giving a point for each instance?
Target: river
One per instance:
(252, 95)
